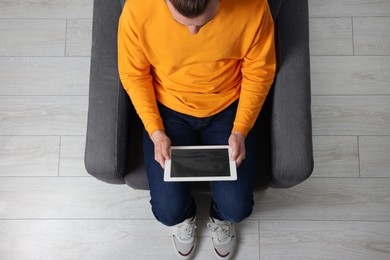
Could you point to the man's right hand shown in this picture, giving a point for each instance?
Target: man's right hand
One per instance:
(162, 144)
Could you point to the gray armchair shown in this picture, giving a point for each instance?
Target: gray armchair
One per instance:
(113, 151)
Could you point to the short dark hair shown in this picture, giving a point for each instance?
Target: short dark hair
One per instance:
(190, 8)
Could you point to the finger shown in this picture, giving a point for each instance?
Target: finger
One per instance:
(165, 151)
(162, 154)
(159, 157)
(238, 163)
(234, 150)
(239, 160)
(234, 155)
(241, 155)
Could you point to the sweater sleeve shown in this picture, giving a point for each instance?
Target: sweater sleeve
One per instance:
(258, 71)
(134, 72)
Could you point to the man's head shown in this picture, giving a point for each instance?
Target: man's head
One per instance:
(190, 8)
(193, 13)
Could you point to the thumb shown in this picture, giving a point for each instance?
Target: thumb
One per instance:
(234, 150)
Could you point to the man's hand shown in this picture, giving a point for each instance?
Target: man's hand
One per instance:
(162, 143)
(237, 145)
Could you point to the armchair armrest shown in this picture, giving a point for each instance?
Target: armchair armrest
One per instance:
(109, 107)
(291, 129)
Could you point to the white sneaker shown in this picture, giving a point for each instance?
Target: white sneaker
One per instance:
(184, 238)
(223, 237)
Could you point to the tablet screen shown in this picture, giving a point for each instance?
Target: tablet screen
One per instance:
(200, 163)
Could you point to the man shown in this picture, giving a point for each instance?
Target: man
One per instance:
(198, 72)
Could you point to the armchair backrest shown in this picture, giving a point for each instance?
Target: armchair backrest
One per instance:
(273, 4)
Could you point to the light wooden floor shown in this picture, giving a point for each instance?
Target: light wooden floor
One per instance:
(51, 209)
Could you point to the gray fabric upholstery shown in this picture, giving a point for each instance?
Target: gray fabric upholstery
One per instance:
(291, 133)
(113, 147)
(274, 6)
(107, 132)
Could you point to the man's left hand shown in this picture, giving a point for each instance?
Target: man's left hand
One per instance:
(237, 146)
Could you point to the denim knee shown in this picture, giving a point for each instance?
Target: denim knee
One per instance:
(173, 212)
(234, 211)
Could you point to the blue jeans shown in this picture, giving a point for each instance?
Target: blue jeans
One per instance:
(172, 202)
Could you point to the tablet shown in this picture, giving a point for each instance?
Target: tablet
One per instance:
(200, 163)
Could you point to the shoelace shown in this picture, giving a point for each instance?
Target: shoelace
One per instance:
(185, 230)
(221, 232)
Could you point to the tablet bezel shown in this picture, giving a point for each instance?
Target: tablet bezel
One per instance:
(232, 166)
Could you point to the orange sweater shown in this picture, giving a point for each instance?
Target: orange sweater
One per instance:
(232, 57)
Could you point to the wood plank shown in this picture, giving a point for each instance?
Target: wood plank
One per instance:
(29, 155)
(70, 198)
(78, 37)
(77, 198)
(44, 76)
(374, 156)
(324, 240)
(108, 239)
(335, 156)
(43, 9)
(351, 115)
(350, 75)
(43, 115)
(355, 199)
(72, 156)
(327, 199)
(372, 35)
(342, 8)
(331, 36)
(32, 37)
